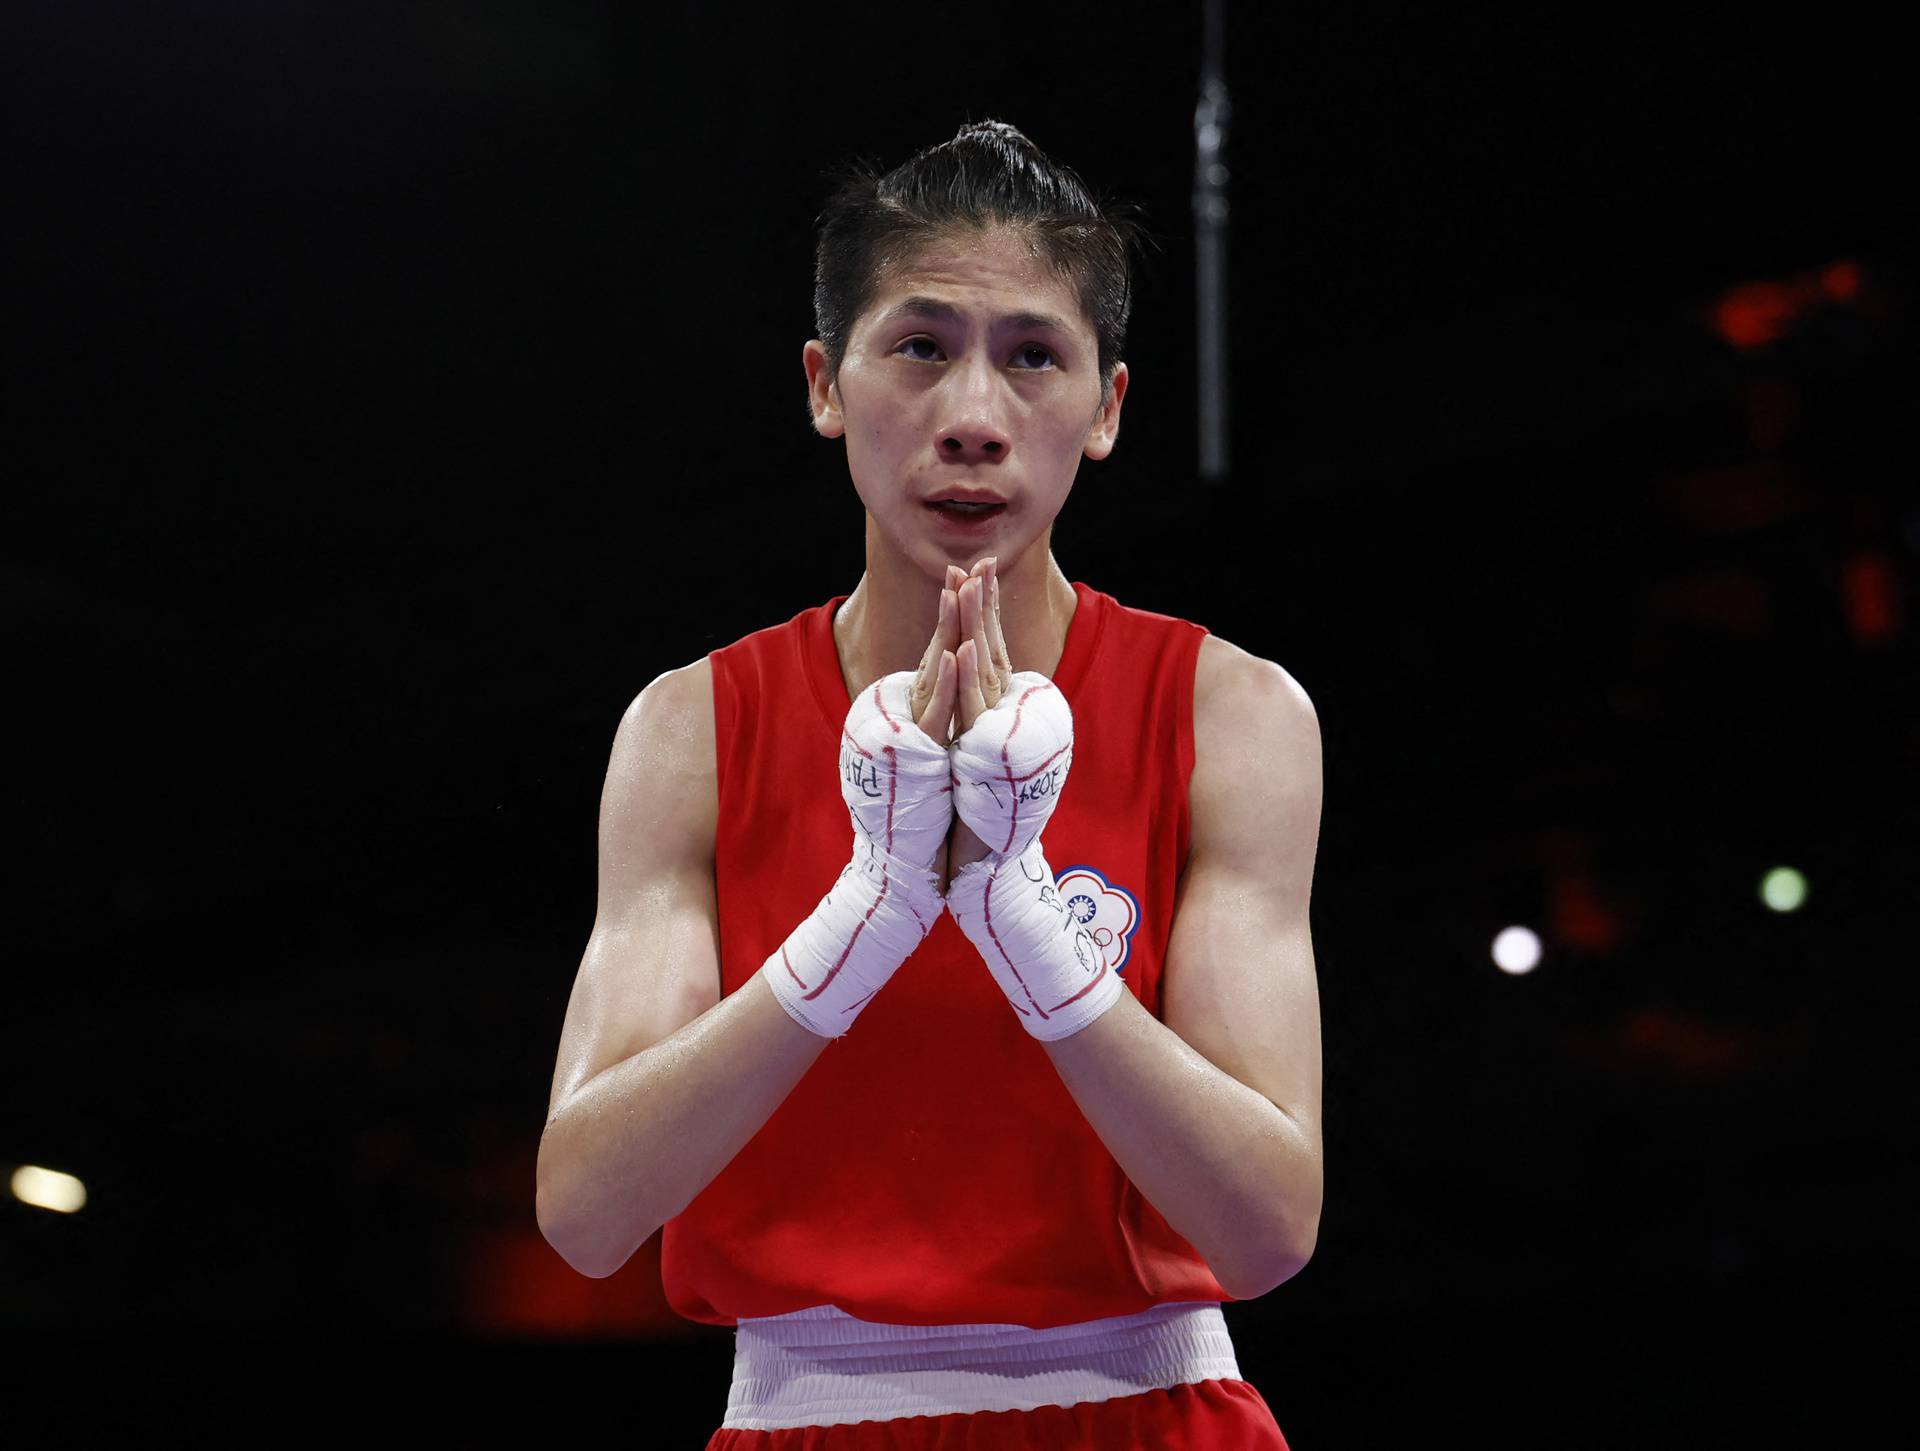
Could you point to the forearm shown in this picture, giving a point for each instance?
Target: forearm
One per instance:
(1232, 1174)
(636, 1143)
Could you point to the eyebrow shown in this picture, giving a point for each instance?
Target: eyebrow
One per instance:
(933, 307)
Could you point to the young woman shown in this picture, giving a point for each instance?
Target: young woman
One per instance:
(969, 1149)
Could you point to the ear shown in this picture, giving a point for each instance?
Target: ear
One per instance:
(823, 395)
(1106, 423)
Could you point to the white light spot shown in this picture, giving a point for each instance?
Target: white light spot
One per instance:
(48, 1189)
(1783, 889)
(1516, 950)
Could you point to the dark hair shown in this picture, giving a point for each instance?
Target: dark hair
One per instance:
(989, 174)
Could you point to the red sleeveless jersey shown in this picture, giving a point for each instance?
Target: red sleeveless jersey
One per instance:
(931, 1168)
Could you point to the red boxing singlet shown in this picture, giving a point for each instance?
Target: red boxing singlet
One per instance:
(931, 1168)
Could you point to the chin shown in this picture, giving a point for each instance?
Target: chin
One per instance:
(919, 542)
(965, 552)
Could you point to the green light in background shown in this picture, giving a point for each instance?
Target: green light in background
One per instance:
(1783, 889)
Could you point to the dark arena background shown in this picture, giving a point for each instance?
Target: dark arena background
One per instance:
(393, 390)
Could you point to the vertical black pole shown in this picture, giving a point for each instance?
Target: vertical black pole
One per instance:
(1210, 119)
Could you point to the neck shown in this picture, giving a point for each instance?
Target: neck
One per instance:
(886, 622)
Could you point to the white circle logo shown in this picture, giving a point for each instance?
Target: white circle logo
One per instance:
(1109, 913)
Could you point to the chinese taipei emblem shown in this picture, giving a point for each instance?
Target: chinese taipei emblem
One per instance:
(1109, 912)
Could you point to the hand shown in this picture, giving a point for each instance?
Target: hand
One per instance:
(896, 777)
(985, 674)
(1010, 764)
(931, 699)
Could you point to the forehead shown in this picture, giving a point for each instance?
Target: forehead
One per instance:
(995, 268)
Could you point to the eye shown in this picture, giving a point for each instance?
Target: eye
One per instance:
(920, 341)
(1032, 357)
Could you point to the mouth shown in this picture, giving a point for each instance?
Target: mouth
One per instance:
(975, 514)
(957, 503)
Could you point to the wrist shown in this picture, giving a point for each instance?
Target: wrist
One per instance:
(875, 914)
(964, 848)
(1045, 961)
(895, 778)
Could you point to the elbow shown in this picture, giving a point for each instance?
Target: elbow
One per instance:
(1285, 1236)
(1257, 1276)
(1270, 1259)
(575, 1237)
(563, 1234)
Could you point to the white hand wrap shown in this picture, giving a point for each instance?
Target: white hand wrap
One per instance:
(1009, 768)
(1008, 771)
(896, 782)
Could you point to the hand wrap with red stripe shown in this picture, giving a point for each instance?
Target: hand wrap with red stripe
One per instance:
(896, 782)
(1008, 771)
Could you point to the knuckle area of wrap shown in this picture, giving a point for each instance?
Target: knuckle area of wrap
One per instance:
(972, 764)
(884, 718)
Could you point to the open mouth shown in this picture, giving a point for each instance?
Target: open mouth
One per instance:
(967, 516)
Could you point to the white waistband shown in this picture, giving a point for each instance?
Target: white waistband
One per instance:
(822, 1367)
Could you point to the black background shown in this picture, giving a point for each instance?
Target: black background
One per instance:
(392, 391)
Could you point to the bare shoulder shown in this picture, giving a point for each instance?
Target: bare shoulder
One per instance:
(1228, 679)
(661, 796)
(1257, 758)
(652, 961)
(669, 723)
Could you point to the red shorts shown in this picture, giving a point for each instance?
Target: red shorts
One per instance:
(1207, 1415)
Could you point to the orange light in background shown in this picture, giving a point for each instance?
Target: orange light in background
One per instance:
(1755, 313)
(1843, 281)
(1659, 1039)
(1579, 912)
(1665, 1039)
(1870, 596)
(1730, 498)
(512, 1282)
(1752, 314)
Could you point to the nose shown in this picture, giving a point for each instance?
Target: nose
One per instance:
(972, 428)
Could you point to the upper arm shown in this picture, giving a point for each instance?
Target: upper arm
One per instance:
(1239, 983)
(653, 961)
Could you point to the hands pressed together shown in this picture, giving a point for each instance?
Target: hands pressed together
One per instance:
(964, 673)
(950, 773)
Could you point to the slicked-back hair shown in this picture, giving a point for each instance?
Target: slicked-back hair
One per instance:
(988, 175)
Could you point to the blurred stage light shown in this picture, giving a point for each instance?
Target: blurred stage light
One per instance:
(1751, 315)
(1783, 889)
(48, 1189)
(1516, 950)
(1870, 595)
